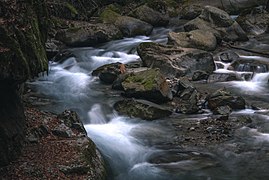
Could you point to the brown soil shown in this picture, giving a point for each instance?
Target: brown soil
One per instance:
(41, 159)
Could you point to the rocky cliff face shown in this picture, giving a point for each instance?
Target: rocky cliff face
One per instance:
(22, 56)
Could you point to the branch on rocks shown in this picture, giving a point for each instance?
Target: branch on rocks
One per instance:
(249, 50)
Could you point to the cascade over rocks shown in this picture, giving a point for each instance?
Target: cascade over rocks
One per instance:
(250, 65)
(198, 39)
(142, 109)
(149, 84)
(219, 23)
(175, 61)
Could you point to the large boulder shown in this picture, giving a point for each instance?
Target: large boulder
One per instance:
(225, 98)
(255, 21)
(150, 16)
(190, 11)
(141, 109)
(194, 39)
(87, 34)
(175, 61)
(219, 23)
(149, 84)
(129, 26)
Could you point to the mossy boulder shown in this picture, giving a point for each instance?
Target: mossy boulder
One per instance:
(141, 109)
(149, 84)
(88, 34)
(129, 26)
(194, 39)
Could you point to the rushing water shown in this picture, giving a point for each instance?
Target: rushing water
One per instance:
(129, 144)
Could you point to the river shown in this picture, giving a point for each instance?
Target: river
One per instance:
(131, 147)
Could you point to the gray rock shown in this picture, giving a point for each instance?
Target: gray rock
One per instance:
(198, 39)
(222, 77)
(88, 34)
(219, 23)
(200, 75)
(222, 110)
(150, 16)
(254, 21)
(175, 61)
(62, 131)
(190, 11)
(141, 109)
(225, 98)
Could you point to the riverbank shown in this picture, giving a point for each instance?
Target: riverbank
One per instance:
(50, 152)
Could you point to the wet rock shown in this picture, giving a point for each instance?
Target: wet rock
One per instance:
(200, 75)
(61, 56)
(149, 84)
(198, 39)
(222, 77)
(88, 34)
(219, 23)
(175, 61)
(225, 98)
(222, 110)
(186, 97)
(52, 48)
(254, 21)
(129, 26)
(150, 16)
(142, 109)
(109, 73)
(228, 56)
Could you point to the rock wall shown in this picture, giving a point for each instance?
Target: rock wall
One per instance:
(22, 56)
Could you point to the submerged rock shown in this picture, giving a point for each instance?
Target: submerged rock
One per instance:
(250, 65)
(142, 109)
(149, 84)
(175, 61)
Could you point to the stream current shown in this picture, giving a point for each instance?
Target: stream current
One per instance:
(131, 147)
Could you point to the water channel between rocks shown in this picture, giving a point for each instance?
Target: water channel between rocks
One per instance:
(138, 149)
